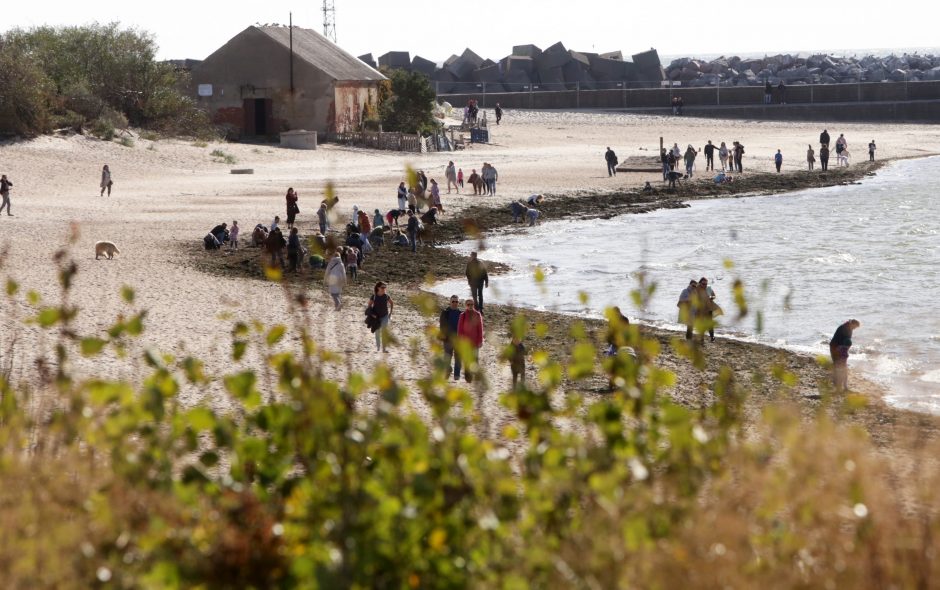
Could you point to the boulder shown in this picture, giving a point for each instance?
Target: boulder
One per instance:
(526, 51)
(554, 77)
(396, 60)
(463, 66)
(932, 74)
(649, 66)
(555, 56)
(514, 63)
(425, 66)
(898, 75)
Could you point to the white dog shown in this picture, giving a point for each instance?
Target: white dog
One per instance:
(106, 249)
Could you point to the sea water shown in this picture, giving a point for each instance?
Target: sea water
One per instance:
(809, 260)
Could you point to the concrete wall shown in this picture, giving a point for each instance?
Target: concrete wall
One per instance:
(252, 65)
(811, 98)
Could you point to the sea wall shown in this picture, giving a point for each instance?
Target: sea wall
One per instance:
(912, 101)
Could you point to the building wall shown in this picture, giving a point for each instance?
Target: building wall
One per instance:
(252, 65)
(351, 100)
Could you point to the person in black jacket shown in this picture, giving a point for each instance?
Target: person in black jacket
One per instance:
(709, 155)
(413, 231)
(478, 279)
(839, 351)
(450, 316)
(5, 185)
(824, 137)
(611, 159)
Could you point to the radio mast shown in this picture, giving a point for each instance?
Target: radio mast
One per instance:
(329, 20)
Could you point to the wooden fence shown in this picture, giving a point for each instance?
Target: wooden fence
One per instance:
(394, 141)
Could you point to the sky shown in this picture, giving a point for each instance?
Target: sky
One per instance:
(435, 29)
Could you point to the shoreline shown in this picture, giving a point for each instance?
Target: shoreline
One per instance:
(403, 268)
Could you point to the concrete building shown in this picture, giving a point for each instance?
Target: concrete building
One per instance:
(257, 85)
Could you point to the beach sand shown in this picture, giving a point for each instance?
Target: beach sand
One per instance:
(169, 193)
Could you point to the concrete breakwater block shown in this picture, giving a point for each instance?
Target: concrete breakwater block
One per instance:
(243, 171)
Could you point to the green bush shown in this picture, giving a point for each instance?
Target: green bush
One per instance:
(93, 70)
(103, 129)
(26, 93)
(307, 482)
(409, 108)
(128, 142)
(221, 156)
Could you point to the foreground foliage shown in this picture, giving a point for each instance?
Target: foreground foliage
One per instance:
(302, 481)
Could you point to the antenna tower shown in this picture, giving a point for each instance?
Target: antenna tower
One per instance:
(329, 20)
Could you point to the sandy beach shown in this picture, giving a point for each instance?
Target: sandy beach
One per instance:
(169, 193)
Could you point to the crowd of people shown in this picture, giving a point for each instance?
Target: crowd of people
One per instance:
(419, 204)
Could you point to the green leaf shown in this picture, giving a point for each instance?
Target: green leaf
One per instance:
(92, 346)
(242, 387)
(200, 419)
(48, 317)
(12, 287)
(275, 334)
(127, 294)
(239, 348)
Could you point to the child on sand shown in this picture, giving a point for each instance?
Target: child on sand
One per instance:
(460, 177)
(352, 262)
(233, 236)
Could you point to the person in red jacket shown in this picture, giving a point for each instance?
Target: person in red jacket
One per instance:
(470, 328)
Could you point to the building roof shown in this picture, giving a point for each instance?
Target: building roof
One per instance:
(322, 54)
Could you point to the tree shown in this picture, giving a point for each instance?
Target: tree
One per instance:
(409, 108)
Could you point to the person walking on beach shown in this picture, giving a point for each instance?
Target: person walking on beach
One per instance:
(274, 244)
(723, 156)
(450, 173)
(321, 218)
(335, 278)
(499, 113)
(704, 305)
(810, 157)
(778, 160)
(5, 185)
(841, 146)
(470, 328)
(689, 158)
(686, 315)
(292, 208)
(517, 361)
(460, 177)
(106, 182)
(293, 250)
(436, 196)
(402, 197)
(489, 178)
(412, 228)
(824, 137)
(448, 324)
(739, 156)
(839, 351)
(709, 156)
(478, 279)
(611, 158)
(824, 157)
(871, 151)
(379, 313)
